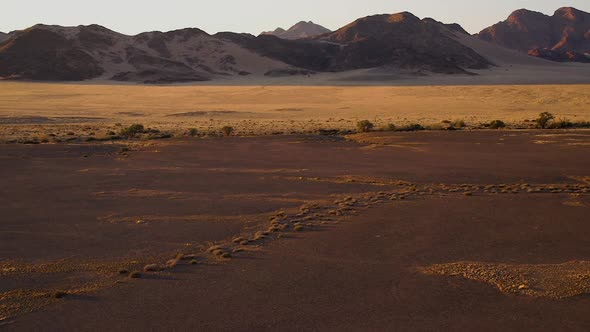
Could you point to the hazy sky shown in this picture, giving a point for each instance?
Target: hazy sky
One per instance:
(254, 16)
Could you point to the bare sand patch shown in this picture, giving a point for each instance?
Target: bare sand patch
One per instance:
(540, 280)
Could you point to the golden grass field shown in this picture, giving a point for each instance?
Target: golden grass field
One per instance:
(267, 109)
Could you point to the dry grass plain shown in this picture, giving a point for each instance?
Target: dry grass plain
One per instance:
(36, 110)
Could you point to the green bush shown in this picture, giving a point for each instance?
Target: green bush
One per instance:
(497, 124)
(544, 119)
(132, 130)
(364, 126)
(193, 132)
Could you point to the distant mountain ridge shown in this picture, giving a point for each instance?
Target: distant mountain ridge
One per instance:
(397, 41)
(387, 42)
(564, 36)
(298, 31)
(58, 53)
(402, 40)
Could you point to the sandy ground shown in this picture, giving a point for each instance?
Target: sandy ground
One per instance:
(381, 231)
(65, 112)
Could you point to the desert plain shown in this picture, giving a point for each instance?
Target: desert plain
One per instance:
(295, 221)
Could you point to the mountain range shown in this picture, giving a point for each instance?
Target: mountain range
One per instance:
(298, 31)
(564, 36)
(400, 41)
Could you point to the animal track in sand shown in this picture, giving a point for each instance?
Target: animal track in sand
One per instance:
(553, 281)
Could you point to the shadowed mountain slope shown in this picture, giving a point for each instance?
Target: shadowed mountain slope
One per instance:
(564, 36)
(400, 40)
(77, 53)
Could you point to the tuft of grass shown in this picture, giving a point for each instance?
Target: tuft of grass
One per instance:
(364, 126)
(59, 294)
(458, 124)
(172, 263)
(193, 132)
(135, 275)
(227, 130)
(389, 127)
(411, 127)
(132, 130)
(152, 268)
(561, 124)
(497, 124)
(213, 248)
(436, 126)
(298, 228)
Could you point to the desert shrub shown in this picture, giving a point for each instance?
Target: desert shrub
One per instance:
(390, 127)
(227, 130)
(581, 124)
(328, 132)
(412, 127)
(436, 126)
(160, 136)
(132, 130)
(193, 132)
(364, 126)
(496, 124)
(560, 124)
(135, 275)
(458, 124)
(544, 119)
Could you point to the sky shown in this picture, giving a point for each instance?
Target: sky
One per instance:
(253, 16)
